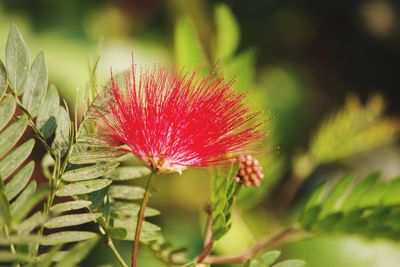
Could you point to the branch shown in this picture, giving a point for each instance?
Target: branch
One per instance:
(252, 252)
(140, 220)
(114, 250)
(208, 242)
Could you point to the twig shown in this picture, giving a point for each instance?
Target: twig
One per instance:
(251, 252)
(208, 242)
(140, 220)
(114, 250)
(208, 230)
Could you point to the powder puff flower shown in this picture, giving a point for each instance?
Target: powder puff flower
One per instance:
(172, 121)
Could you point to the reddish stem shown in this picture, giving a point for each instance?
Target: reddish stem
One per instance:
(140, 220)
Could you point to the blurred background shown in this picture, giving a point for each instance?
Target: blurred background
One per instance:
(300, 61)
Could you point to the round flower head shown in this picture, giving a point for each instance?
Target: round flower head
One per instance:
(172, 120)
(250, 171)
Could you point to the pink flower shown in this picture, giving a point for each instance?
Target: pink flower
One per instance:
(172, 121)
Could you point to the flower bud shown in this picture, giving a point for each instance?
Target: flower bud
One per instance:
(250, 171)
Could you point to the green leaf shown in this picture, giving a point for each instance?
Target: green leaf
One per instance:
(290, 263)
(70, 205)
(117, 232)
(56, 258)
(331, 221)
(77, 253)
(66, 237)
(316, 196)
(126, 192)
(93, 156)
(90, 172)
(31, 223)
(331, 202)
(36, 85)
(85, 187)
(128, 173)
(188, 49)
(12, 161)
(223, 192)
(149, 231)
(47, 259)
(19, 181)
(392, 196)
(126, 210)
(265, 259)
(367, 209)
(4, 207)
(358, 192)
(375, 195)
(46, 121)
(310, 216)
(27, 200)
(228, 32)
(8, 256)
(10, 136)
(19, 239)
(97, 198)
(242, 69)
(3, 79)
(23, 197)
(71, 220)
(17, 60)
(61, 139)
(7, 109)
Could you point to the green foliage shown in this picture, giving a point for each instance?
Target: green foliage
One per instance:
(223, 193)
(36, 85)
(241, 68)
(70, 206)
(66, 237)
(265, 259)
(10, 136)
(62, 140)
(128, 173)
(14, 159)
(124, 211)
(77, 253)
(228, 33)
(70, 220)
(81, 188)
(21, 230)
(97, 170)
(188, 49)
(17, 60)
(353, 129)
(7, 109)
(3, 79)
(95, 155)
(165, 252)
(369, 208)
(19, 182)
(46, 119)
(269, 258)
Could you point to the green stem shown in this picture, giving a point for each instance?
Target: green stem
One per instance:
(140, 220)
(114, 250)
(12, 247)
(252, 251)
(33, 126)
